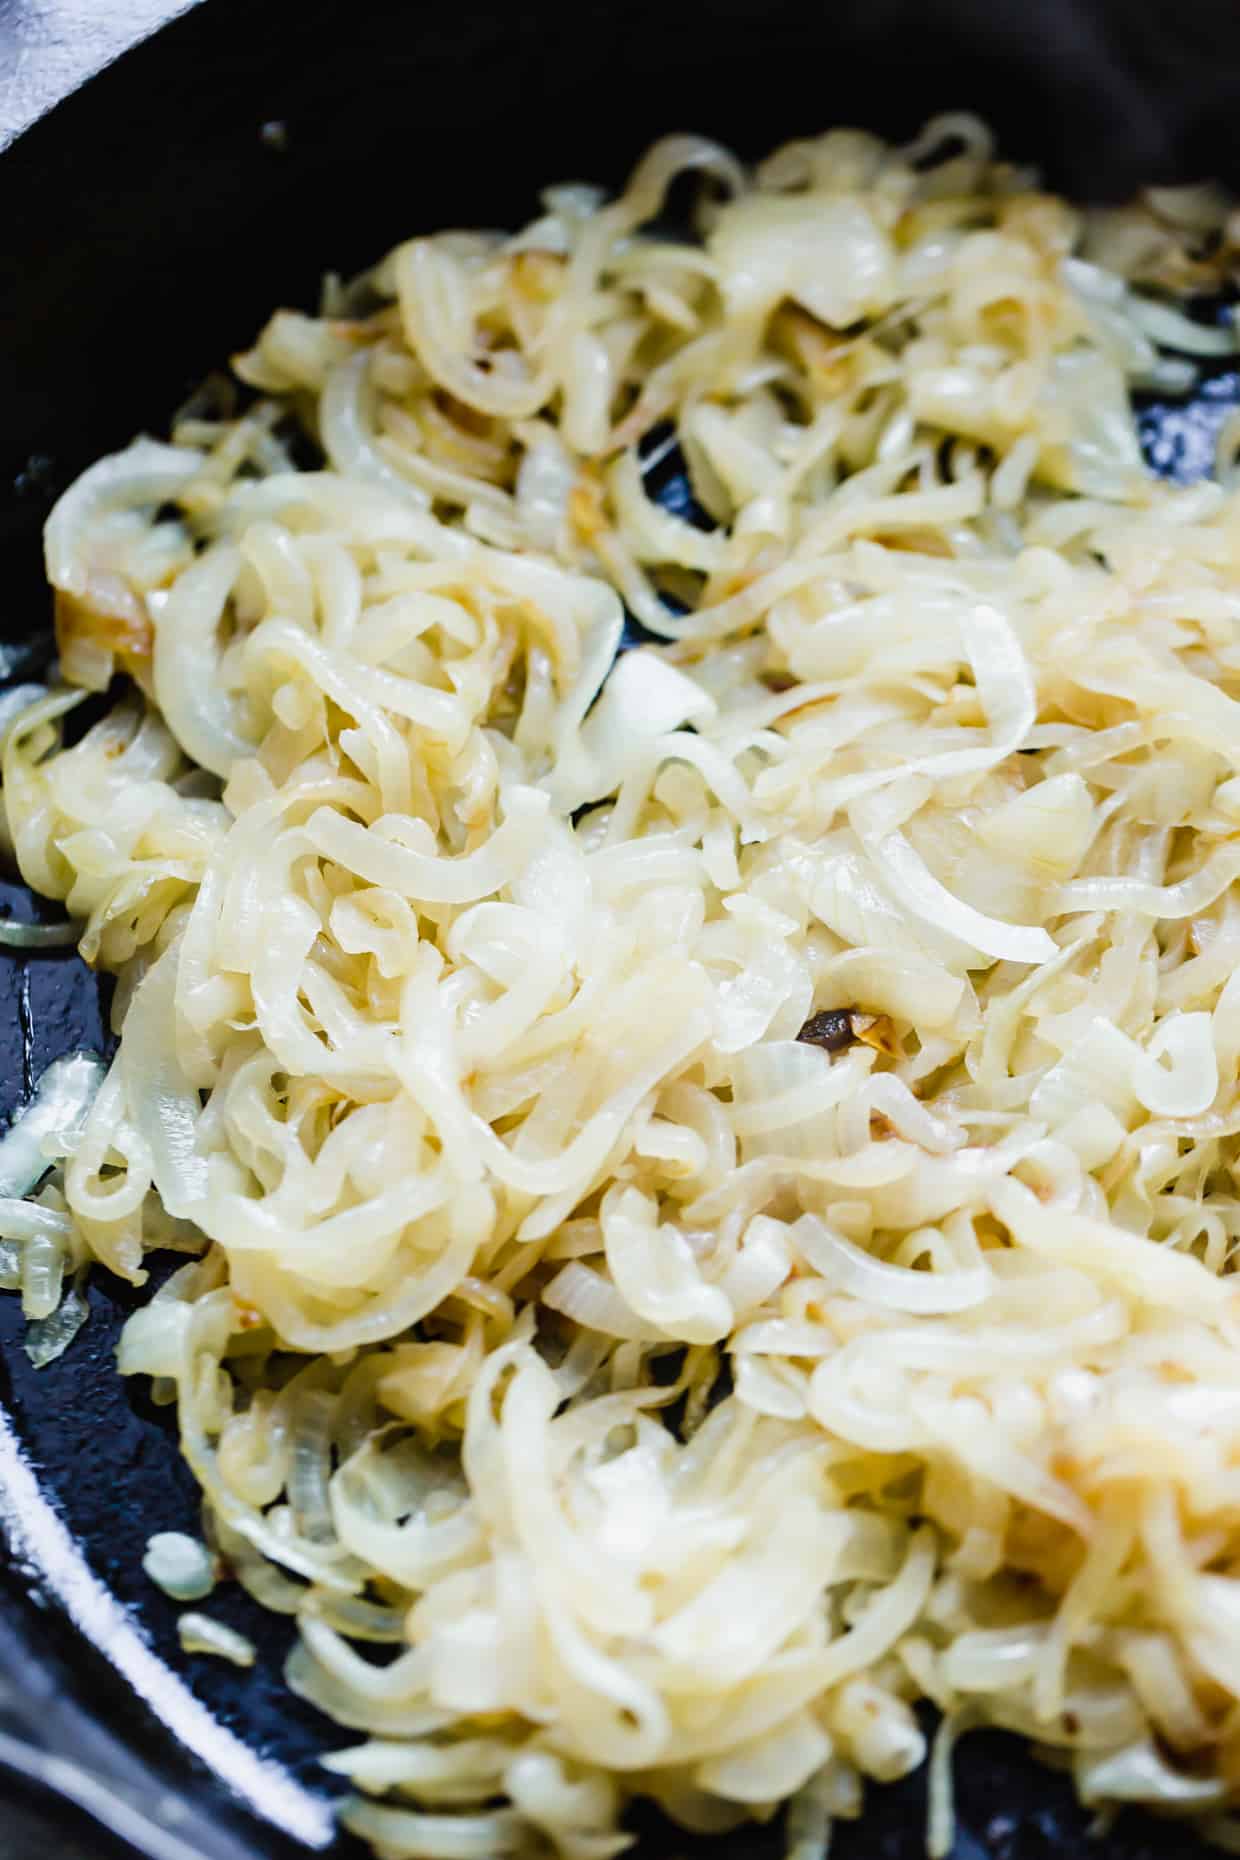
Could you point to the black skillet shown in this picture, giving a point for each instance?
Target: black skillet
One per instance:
(146, 226)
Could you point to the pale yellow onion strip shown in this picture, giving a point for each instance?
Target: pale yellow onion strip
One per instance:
(389, 1313)
(161, 1103)
(145, 475)
(208, 723)
(422, 1835)
(245, 1224)
(853, 1270)
(29, 810)
(427, 877)
(372, 516)
(1146, 1274)
(426, 283)
(593, 1303)
(26, 1220)
(534, 971)
(616, 1605)
(366, 695)
(640, 201)
(655, 534)
(346, 427)
(588, 1150)
(915, 886)
(655, 1273)
(1184, 899)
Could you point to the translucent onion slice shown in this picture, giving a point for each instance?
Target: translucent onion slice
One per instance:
(200, 1634)
(849, 1269)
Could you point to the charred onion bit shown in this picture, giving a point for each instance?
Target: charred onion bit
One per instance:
(836, 1029)
(832, 1030)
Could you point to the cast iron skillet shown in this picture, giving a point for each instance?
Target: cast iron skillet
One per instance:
(148, 224)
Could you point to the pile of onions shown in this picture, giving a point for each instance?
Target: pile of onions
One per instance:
(709, 1187)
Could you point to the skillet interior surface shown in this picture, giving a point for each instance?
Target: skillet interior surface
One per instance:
(151, 223)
